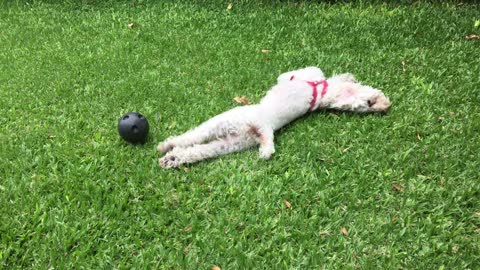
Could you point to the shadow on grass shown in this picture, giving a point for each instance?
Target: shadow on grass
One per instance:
(327, 112)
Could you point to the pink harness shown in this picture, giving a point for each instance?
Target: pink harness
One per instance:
(314, 85)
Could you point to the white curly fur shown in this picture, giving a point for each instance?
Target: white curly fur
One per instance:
(246, 126)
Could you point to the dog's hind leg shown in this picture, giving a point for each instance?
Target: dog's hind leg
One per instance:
(198, 152)
(210, 130)
(200, 134)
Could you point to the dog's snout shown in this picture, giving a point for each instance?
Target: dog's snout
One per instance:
(380, 104)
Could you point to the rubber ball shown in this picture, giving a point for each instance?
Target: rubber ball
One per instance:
(133, 128)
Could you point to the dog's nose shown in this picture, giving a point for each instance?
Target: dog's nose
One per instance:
(384, 104)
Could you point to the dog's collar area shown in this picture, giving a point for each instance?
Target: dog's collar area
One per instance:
(314, 85)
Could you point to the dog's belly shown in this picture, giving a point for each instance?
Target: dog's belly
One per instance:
(236, 120)
(240, 114)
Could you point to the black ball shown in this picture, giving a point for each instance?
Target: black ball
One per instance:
(133, 128)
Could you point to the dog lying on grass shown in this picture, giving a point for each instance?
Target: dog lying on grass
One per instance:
(295, 94)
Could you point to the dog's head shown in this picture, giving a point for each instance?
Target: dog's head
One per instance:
(359, 98)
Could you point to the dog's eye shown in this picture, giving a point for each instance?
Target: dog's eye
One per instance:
(371, 102)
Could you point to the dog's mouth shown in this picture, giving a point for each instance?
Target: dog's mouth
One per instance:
(378, 103)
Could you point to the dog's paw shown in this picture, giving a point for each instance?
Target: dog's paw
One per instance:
(169, 161)
(165, 147)
(266, 152)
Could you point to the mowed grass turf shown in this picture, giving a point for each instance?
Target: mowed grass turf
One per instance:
(343, 190)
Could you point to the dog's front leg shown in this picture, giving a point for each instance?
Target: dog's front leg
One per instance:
(267, 146)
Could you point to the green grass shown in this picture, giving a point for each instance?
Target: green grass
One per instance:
(73, 195)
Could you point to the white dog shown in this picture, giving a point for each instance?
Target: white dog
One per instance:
(296, 93)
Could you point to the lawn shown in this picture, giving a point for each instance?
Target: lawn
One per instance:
(343, 191)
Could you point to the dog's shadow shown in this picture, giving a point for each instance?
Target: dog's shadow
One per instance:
(326, 113)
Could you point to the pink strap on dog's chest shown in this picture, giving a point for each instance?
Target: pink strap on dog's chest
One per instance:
(314, 84)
